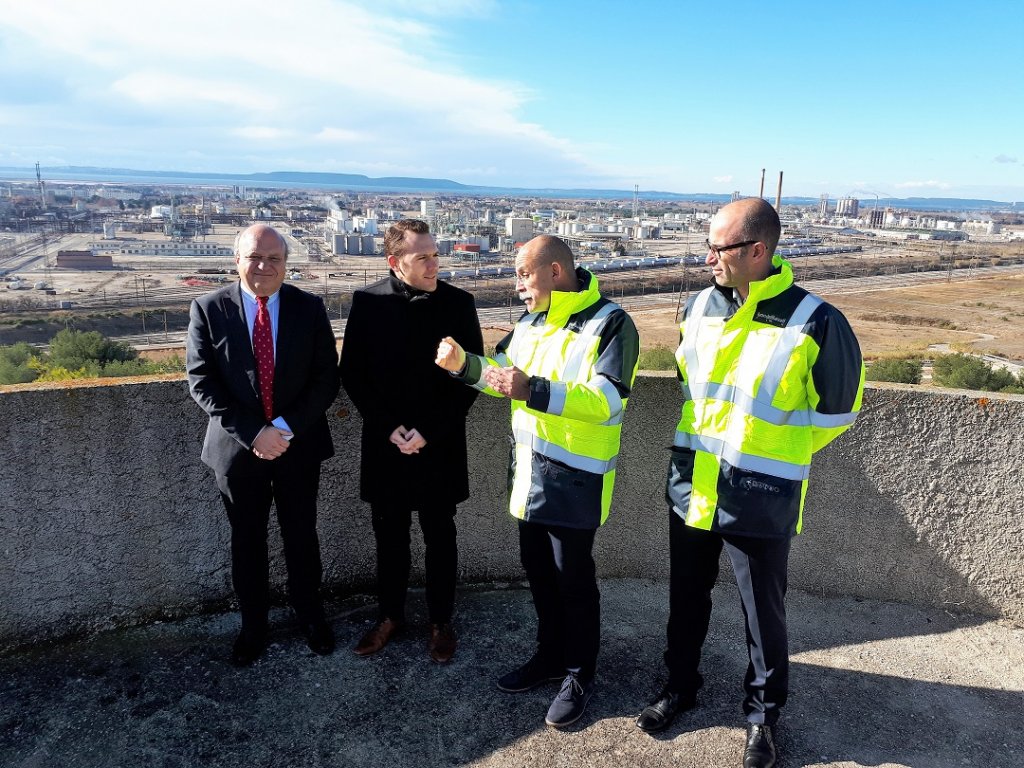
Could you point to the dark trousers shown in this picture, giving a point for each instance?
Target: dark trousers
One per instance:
(760, 566)
(292, 489)
(559, 564)
(391, 524)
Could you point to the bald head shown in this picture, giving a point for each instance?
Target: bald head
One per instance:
(753, 219)
(254, 233)
(547, 249)
(543, 265)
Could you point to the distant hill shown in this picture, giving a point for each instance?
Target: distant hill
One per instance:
(406, 184)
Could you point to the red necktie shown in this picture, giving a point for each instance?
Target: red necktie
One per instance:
(263, 349)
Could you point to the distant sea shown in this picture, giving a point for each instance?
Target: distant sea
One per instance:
(408, 185)
(171, 178)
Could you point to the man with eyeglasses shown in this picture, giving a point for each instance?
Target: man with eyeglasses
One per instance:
(414, 427)
(770, 374)
(263, 363)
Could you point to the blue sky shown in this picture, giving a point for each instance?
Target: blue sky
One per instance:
(900, 99)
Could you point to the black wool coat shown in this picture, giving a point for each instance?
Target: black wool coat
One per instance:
(388, 370)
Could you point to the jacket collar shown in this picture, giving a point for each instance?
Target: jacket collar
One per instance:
(780, 279)
(565, 304)
(402, 288)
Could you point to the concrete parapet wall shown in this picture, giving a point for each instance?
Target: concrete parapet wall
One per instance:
(107, 516)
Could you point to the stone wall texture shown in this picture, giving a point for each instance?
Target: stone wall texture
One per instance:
(107, 516)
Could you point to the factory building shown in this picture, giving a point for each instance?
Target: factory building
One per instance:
(84, 260)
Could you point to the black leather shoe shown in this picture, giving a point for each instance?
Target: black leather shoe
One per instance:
(659, 714)
(319, 637)
(527, 677)
(249, 646)
(760, 751)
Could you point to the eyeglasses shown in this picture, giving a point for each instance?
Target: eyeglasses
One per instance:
(717, 249)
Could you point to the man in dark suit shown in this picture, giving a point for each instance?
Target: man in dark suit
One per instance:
(262, 362)
(414, 426)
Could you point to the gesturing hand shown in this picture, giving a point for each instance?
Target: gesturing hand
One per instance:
(450, 355)
(511, 382)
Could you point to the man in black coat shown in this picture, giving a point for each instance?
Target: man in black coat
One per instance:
(414, 426)
(262, 362)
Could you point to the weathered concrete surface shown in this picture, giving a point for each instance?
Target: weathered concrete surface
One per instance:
(107, 516)
(873, 684)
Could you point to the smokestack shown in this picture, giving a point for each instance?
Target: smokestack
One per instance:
(761, 193)
(778, 197)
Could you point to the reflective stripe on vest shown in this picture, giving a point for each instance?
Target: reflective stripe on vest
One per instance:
(740, 460)
(700, 306)
(558, 453)
(513, 346)
(611, 394)
(500, 359)
(764, 411)
(578, 350)
(556, 401)
(760, 406)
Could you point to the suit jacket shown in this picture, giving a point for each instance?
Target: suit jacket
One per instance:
(388, 369)
(222, 378)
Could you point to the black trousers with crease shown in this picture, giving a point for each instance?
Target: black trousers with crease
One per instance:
(559, 564)
(761, 566)
(391, 524)
(292, 489)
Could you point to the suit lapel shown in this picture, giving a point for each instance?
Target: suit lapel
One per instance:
(285, 326)
(239, 339)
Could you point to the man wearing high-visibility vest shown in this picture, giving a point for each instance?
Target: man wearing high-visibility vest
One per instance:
(568, 367)
(770, 374)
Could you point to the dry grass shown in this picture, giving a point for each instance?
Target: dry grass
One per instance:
(978, 316)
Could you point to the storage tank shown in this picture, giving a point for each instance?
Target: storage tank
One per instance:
(109, 230)
(338, 244)
(353, 245)
(367, 245)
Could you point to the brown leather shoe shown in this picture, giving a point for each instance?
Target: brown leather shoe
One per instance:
(377, 637)
(442, 643)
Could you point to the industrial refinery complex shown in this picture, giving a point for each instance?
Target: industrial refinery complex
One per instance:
(67, 245)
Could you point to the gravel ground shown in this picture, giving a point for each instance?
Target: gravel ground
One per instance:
(873, 684)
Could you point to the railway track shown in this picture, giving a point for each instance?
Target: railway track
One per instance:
(504, 316)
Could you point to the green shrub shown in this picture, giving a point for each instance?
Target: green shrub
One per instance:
(968, 372)
(14, 364)
(73, 349)
(901, 371)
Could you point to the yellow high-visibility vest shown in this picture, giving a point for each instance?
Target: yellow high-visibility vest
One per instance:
(765, 386)
(582, 357)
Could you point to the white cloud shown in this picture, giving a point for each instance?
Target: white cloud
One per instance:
(174, 92)
(324, 74)
(1005, 159)
(722, 179)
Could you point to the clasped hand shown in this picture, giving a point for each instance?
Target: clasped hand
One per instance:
(409, 441)
(270, 443)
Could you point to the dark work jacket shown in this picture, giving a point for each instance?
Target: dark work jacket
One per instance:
(387, 368)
